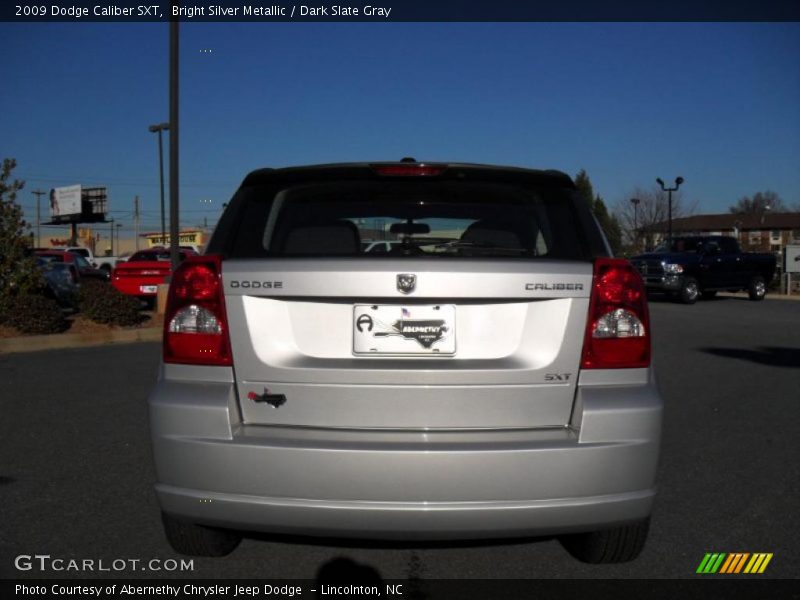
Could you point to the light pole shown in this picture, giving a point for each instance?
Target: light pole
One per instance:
(158, 129)
(635, 202)
(38, 194)
(118, 226)
(678, 182)
(111, 236)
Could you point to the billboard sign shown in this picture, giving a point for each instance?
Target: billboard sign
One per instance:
(65, 201)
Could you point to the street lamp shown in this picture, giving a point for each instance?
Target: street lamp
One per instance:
(635, 202)
(158, 129)
(678, 182)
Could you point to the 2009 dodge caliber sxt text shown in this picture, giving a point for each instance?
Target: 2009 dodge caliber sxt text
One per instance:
(484, 374)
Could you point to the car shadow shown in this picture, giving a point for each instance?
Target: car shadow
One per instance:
(381, 544)
(765, 355)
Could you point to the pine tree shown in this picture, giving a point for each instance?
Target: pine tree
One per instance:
(607, 222)
(18, 272)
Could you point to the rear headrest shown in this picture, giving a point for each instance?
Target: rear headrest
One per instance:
(493, 233)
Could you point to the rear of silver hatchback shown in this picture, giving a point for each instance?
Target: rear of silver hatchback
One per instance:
(486, 376)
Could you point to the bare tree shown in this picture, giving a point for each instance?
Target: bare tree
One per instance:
(758, 203)
(650, 214)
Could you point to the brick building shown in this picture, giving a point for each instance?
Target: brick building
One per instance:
(768, 232)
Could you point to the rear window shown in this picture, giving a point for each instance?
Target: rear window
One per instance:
(447, 219)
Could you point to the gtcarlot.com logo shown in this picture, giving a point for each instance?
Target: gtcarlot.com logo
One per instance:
(45, 562)
(735, 563)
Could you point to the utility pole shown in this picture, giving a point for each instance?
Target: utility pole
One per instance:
(38, 194)
(174, 209)
(136, 221)
(111, 236)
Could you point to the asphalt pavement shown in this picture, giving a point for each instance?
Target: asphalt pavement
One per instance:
(76, 471)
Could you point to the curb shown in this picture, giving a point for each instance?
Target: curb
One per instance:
(36, 343)
(769, 296)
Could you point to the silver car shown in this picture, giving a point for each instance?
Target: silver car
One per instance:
(488, 377)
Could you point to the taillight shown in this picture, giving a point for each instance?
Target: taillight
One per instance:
(195, 323)
(618, 329)
(408, 170)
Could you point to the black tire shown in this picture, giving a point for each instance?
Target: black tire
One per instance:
(709, 294)
(690, 291)
(617, 545)
(757, 288)
(197, 540)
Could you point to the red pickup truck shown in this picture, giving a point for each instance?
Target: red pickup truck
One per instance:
(142, 273)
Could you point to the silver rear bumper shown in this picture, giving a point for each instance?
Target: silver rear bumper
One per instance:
(598, 471)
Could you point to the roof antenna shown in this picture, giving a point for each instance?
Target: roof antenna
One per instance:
(408, 159)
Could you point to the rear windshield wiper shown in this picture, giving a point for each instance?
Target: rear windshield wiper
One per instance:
(486, 247)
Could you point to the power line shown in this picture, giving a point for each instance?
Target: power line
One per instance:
(59, 179)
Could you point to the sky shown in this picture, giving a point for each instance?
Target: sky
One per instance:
(715, 103)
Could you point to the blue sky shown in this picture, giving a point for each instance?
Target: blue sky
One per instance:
(718, 104)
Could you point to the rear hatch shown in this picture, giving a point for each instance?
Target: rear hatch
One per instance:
(474, 318)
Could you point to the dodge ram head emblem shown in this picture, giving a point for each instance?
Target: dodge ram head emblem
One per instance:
(406, 283)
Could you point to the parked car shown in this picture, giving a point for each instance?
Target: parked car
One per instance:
(105, 263)
(144, 271)
(61, 281)
(380, 247)
(85, 270)
(498, 387)
(690, 266)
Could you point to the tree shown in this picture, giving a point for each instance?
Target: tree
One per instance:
(760, 202)
(607, 221)
(650, 216)
(18, 272)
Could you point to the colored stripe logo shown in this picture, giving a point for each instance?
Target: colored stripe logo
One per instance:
(734, 563)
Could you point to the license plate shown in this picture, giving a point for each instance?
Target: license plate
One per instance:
(396, 329)
(148, 289)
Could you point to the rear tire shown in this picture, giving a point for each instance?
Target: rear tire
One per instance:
(757, 288)
(690, 291)
(617, 545)
(197, 540)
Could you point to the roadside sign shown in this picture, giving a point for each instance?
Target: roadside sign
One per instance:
(791, 260)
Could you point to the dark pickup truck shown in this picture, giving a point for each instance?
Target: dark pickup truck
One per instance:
(687, 267)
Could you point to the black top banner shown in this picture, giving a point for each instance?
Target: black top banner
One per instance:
(402, 11)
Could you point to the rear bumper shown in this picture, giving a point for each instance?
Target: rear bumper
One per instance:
(134, 288)
(214, 470)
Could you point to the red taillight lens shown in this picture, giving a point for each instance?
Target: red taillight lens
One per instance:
(618, 328)
(195, 323)
(408, 170)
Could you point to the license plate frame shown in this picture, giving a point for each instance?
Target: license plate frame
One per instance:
(404, 330)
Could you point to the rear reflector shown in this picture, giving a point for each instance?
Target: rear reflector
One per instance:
(195, 323)
(419, 170)
(618, 328)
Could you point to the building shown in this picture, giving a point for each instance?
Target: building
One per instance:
(196, 238)
(767, 232)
